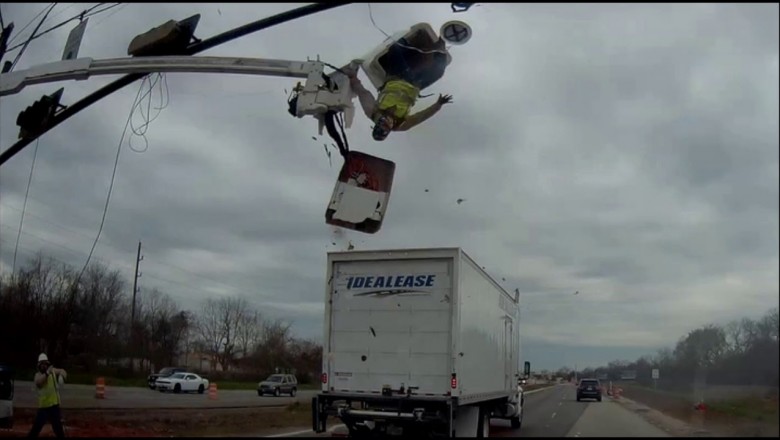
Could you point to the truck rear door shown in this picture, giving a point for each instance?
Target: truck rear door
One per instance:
(390, 324)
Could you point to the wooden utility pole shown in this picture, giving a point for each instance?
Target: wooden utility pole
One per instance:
(138, 259)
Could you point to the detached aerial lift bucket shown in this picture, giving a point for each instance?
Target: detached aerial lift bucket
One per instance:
(362, 192)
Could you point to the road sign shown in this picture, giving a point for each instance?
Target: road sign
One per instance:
(74, 41)
(655, 373)
(455, 32)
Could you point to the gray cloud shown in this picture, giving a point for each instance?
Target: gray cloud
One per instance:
(628, 152)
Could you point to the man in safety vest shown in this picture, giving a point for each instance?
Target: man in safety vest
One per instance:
(390, 111)
(47, 385)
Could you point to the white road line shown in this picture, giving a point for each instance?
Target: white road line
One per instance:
(553, 416)
(308, 431)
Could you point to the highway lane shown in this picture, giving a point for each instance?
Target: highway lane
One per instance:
(555, 412)
(83, 397)
(550, 412)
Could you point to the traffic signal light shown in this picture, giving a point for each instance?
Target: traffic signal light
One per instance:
(34, 117)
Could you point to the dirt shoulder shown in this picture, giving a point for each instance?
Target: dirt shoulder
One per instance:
(752, 417)
(170, 422)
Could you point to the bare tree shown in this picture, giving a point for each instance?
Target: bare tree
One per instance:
(218, 327)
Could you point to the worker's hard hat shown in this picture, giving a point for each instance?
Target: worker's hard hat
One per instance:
(43, 358)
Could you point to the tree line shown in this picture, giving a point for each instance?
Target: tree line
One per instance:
(85, 323)
(742, 352)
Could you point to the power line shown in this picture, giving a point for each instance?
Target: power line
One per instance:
(28, 24)
(124, 5)
(111, 185)
(80, 16)
(21, 51)
(26, 193)
(58, 225)
(66, 248)
(116, 248)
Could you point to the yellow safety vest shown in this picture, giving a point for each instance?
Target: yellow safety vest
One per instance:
(399, 96)
(48, 395)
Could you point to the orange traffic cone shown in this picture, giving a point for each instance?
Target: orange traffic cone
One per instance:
(100, 388)
(213, 391)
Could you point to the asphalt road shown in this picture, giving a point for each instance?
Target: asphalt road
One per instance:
(555, 412)
(83, 397)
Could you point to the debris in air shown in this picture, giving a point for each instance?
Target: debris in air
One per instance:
(327, 153)
(351, 246)
(372, 331)
(314, 138)
(426, 190)
(577, 292)
(461, 201)
(219, 12)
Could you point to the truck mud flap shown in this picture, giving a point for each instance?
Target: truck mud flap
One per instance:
(318, 417)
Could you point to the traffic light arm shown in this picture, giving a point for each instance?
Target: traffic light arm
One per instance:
(83, 68)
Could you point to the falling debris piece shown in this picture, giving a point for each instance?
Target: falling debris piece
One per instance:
(503, 279)
(426, 189)
(517, 291)
(351, 246)
(219, 12)
(577, 292)
(461, 201)
(327, 153)
(333, 243)
(372, 331)
(314, 138)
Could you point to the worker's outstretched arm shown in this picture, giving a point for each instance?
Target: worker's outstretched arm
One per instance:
(423, 115)
(366, 98)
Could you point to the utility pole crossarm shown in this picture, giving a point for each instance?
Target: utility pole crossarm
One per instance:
(82, 68)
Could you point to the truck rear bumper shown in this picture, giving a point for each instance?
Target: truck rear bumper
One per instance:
(358, 411)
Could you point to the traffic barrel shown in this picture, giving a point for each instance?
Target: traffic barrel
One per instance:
(213, 391)
(100, 388)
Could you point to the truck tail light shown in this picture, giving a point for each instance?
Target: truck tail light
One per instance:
(324, 378)
(454, 381)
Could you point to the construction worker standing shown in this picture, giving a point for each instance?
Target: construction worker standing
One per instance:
(47, 384)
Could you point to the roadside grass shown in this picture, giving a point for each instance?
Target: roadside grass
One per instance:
(753, 408)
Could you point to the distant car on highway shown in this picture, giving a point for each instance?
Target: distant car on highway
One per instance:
(589, 389)
(165, 372)
(278, 384)
(182, 382)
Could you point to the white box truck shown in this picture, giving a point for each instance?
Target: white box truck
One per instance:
(417, 341)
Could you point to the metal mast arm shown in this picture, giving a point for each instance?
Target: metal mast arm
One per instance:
(191, 50)
(83, 68)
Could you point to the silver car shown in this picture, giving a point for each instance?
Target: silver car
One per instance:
(278, 384)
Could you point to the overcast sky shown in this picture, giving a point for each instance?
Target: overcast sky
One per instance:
(628, 152)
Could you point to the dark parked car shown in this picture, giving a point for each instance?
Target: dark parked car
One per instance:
(589, 389)
(165, 372)
(277, 384)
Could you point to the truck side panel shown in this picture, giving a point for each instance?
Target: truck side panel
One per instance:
(487, 337)
(390, 324)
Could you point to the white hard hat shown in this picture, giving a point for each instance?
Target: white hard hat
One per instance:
(43, 358)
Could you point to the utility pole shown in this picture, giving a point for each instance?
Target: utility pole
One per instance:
(138, 259)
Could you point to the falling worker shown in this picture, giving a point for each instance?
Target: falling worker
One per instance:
(409, 69)
(47, 381)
